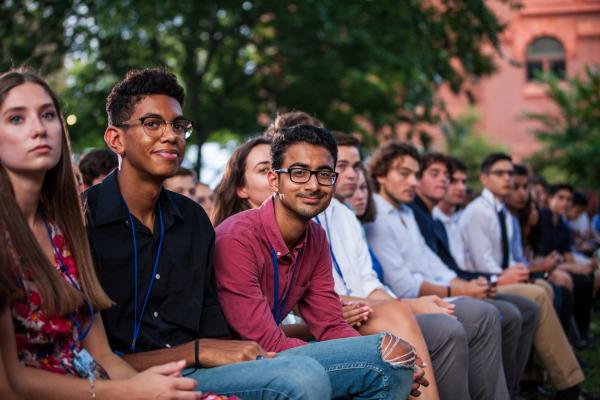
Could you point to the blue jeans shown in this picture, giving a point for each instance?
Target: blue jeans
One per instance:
(338, 369)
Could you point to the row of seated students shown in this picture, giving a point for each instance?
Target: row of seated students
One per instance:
(398, 292)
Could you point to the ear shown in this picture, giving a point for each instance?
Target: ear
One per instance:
(113, 137)
(241, 192)
(483, 179)
(273, 179)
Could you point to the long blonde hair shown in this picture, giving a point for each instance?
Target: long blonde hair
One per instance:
(60, 202)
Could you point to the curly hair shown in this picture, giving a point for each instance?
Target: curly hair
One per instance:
(382, 159)
(139, 83)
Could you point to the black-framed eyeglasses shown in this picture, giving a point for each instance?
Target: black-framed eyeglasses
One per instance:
(155, 127)
(325, 177)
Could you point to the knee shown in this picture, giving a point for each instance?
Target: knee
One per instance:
(396, 351)
(511, 317)
(456, 336)
(300, 377)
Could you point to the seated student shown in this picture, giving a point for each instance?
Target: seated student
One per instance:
(244, 183)
(486, 229)
(272, 259)
(554, 235)
(183, 182)
(205, 197)
(95, 165)
(539, 191)
(580, 224)
(411, 269)
(519, 315)
(166, 306)
(52, 340)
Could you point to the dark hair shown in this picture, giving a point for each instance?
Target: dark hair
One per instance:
(492, 159)
(520, 170)
(382, 159)
(554, 189)
(455, 165)
(60, 202)
(181, 171)
(580, 199)
(96, 163)
(301, 134)
(289, 119)
(345, 139)
(226, 201)
(139, 83)
(371, 209)
(428, 159)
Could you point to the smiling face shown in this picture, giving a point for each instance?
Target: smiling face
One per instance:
(398, 185)
(159, 157)
(30, 131)
(304, 200)
(256, 186)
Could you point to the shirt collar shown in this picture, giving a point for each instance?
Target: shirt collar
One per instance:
(439, 214)
(385, 207)
(271, 228)
(111, 208)
(493, 200)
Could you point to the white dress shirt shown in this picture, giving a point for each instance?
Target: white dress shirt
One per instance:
(482, 238)
(350, 250)
(406, 259)
(451, 223)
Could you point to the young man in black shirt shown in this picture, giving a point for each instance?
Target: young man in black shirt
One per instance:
(153, 252)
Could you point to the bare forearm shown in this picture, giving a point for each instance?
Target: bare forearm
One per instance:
(147, 359)
(430, 288)
(116, 367)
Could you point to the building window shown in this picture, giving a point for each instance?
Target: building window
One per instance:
(546, 55)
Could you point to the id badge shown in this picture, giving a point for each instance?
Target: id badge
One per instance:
(87, 367)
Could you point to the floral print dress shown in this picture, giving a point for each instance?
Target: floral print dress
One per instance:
(46, 341)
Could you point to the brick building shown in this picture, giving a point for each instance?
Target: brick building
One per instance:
(561, 36)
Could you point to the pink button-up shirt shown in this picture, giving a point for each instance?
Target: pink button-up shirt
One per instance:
(245, 279)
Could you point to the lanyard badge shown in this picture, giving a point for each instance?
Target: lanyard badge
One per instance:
(137, 321)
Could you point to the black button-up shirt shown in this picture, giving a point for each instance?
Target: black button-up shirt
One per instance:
(183, 304)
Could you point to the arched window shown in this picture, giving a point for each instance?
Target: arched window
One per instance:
(546, 55)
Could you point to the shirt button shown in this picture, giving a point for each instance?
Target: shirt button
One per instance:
(278, 253)
(168, 346)
(155, 314)
(157, 276)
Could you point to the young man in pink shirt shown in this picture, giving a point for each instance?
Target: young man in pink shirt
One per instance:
(272, 259)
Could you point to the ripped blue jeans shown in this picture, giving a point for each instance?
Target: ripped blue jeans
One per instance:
(368, 367)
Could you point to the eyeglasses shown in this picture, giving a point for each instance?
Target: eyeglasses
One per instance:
(502, 172)
(303, 175)
(155, 127)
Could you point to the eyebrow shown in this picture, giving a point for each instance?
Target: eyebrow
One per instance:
(262, 162)
(154, 115)
(23, 108)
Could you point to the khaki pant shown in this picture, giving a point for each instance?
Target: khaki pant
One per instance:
(550, 341)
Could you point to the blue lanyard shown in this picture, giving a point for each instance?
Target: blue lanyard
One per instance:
(278, 312)
(63, 268)
(336, 265)
(138, 322)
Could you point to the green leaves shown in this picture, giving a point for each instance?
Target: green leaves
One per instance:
(571, 138)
